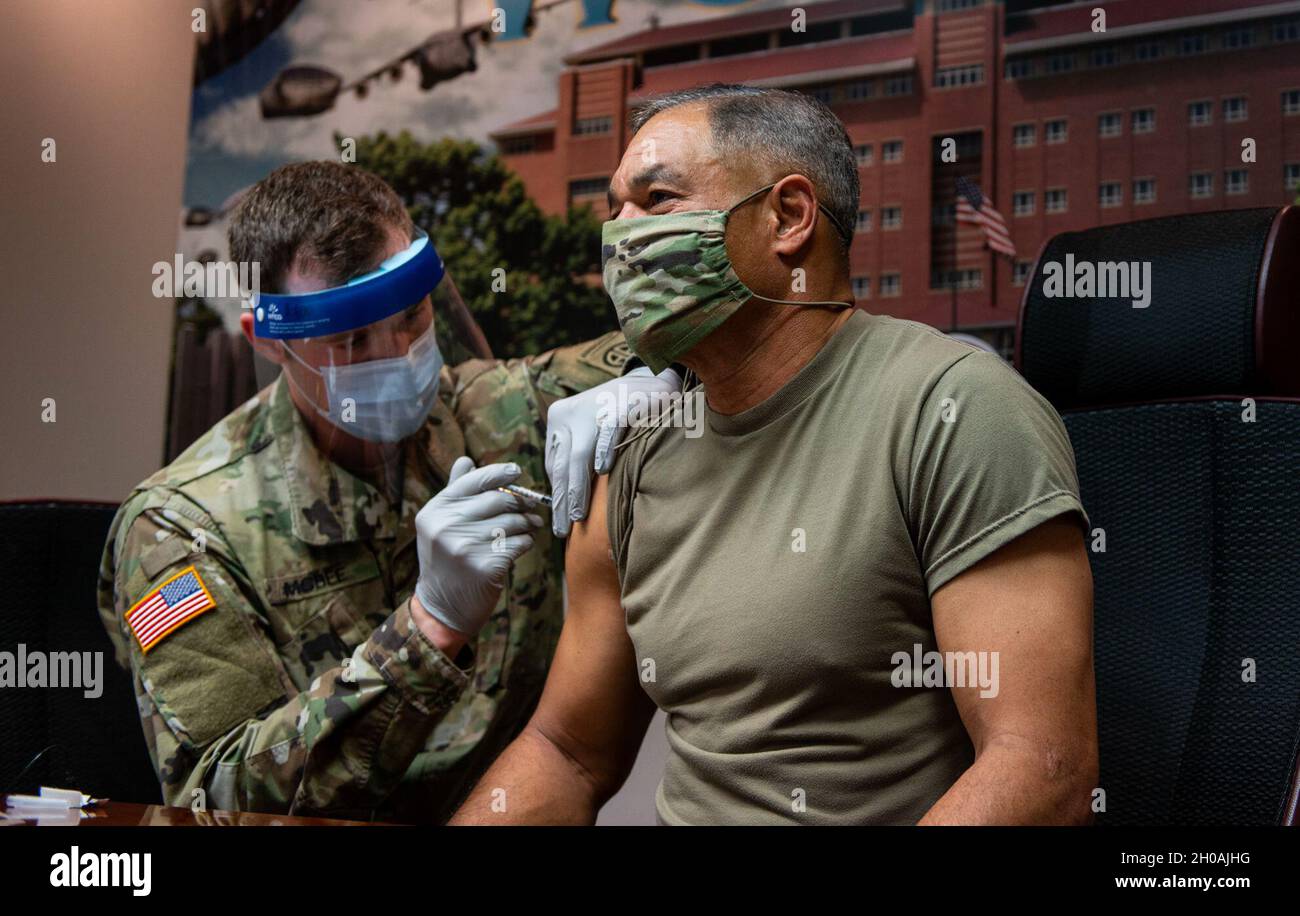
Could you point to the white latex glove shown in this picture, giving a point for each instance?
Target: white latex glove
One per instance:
(467, 537)
(581, 434)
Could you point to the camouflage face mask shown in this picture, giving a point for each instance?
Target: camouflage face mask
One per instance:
(671, 281)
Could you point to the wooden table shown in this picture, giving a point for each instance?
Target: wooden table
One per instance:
(130, 814)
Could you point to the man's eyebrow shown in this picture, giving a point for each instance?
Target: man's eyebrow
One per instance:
(649, 175)
(656, 172)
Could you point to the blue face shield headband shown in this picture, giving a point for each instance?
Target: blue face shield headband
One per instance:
(397, 283)
(384, 398)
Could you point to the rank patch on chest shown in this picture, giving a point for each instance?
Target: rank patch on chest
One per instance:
(171, 605)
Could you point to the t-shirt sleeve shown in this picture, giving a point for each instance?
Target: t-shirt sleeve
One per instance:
(623, 478)
(990, 461)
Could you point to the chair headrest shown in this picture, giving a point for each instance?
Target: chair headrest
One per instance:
(1177, 307)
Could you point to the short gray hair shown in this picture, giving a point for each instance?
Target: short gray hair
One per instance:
(786, 131)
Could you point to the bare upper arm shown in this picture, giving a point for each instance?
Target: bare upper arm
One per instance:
(1029, 606)
(593, 708)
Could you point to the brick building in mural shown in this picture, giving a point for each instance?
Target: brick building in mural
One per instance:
(1062, 126)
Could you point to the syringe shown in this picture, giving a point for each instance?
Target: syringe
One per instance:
(526, 493)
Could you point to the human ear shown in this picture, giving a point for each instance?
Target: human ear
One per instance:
(793, 204)
(261, 345)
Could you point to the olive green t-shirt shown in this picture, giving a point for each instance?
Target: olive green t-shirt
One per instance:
(772, 566)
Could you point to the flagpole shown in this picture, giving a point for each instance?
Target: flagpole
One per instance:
(993, 136)
(952, 274)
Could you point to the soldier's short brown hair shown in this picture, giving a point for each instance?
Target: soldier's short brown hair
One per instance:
(332, 217)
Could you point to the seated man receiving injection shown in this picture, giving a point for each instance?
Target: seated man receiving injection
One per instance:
(862, 596)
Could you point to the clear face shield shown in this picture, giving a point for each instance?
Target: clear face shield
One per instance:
(365, 354)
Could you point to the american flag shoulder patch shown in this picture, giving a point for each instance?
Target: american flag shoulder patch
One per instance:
(169, 606)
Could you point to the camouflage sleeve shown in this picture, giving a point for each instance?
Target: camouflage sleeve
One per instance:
(548, 376)
(579, 367)
(501, 404)
(219, 711)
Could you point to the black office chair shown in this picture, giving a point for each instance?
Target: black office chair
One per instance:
(1199, 584)
(49, 557)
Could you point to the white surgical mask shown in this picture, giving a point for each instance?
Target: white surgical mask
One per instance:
(382, 400)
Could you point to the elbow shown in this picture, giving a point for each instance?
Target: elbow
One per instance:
(1088, 793)
(1057, 779)
(584, 781)
(1077, 778)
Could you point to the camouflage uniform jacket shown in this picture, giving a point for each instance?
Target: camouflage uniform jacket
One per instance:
(307, 689)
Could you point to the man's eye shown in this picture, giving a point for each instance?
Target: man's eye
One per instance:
(658, 197)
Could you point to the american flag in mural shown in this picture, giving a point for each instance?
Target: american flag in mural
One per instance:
(974, 207)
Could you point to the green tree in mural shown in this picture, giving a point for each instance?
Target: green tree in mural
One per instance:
(481, 220)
